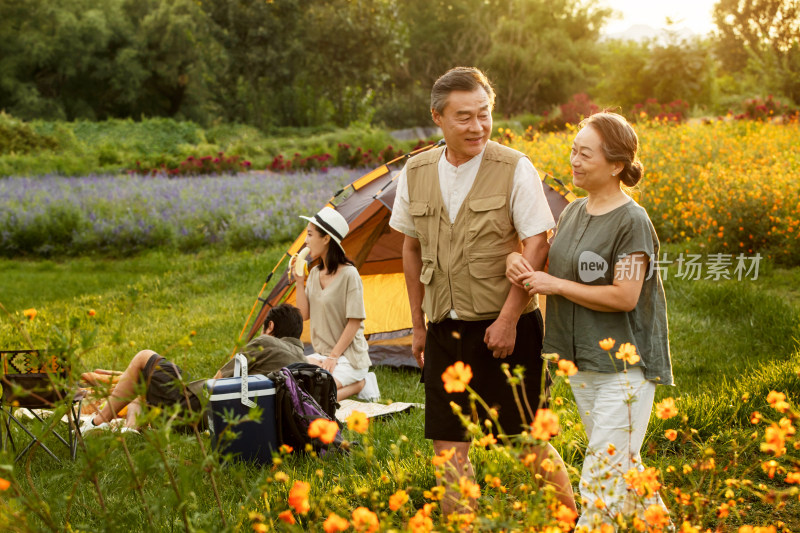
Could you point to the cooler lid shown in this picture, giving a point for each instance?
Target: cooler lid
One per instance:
(230, 388)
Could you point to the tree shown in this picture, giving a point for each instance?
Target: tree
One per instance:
(764, 37)
(84, 59)
(441, 34)
(350, 47)
(540, 51)
(263, 44)
(623, 80)
(681, 69)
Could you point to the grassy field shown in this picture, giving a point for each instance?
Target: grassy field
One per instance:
(730, 340)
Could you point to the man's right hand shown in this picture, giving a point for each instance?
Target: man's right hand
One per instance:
(418, 345)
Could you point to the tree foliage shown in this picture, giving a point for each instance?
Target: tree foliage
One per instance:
(763, 36)
(299, 63)
(540, 52)
(80, 59)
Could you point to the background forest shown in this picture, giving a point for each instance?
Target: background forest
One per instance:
(306, 63)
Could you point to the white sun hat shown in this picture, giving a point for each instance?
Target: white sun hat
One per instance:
(331, 222)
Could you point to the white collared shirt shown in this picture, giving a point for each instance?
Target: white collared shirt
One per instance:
(529, 209)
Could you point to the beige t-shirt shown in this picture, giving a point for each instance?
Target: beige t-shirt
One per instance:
(331, 307)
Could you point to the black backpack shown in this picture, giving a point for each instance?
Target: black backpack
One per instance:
(304, 393)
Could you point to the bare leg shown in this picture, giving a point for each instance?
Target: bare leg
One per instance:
(558, 478)
(348, 390)
(459, 466)
(134, 410)
(125, 391)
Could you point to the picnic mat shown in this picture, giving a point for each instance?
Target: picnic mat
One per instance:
(371, 409)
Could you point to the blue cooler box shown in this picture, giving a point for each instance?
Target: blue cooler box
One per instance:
(253, 440)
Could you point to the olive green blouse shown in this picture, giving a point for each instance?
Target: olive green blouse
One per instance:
(586, 249)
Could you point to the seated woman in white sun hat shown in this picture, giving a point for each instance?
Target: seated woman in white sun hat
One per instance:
(332, 297)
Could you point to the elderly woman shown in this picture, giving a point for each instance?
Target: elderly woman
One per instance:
(599, 288)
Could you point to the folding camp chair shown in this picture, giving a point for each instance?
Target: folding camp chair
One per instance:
(34, 380)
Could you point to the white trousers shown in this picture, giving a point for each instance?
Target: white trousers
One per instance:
(615, 410)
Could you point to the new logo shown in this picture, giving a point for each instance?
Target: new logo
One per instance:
(591, 266)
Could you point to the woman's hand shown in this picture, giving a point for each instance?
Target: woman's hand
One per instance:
(294, 274)
(540, 283)
(329, 363)
(516, 268)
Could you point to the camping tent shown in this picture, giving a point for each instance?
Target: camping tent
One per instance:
(376, 250)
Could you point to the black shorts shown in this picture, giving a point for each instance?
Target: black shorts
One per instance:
(450, 341)
(163, 386)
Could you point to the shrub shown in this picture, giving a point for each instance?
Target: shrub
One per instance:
(766, 109)
(651, 109)
(19, 137)
(198, 166)
(576, 109)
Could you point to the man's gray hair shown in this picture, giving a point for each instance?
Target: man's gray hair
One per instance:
(459, 79)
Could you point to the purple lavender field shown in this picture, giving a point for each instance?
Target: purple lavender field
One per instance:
(122, 215)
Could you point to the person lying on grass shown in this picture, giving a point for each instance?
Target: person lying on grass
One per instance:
(278, 347)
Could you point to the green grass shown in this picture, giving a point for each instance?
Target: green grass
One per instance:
(727, 339)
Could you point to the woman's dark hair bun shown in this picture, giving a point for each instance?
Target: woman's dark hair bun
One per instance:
(632, 173)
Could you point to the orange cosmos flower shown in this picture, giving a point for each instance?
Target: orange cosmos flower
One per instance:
(91, 312)
(4, 484)
(792, 477)
(566, 515)
(774, 440)
(666, 408)
(645, 483)
(487, 440)
(420, 523)
(755, 417)
(468, 488)
(30, 313)
(770, 467)
(786, 426)
(335, 523)
(547, 465)
(627, 352)
(324, 430)
(285, 516)
(545, 425)
(443, 457)
(285, 449)
(671, 434)
(457, 377)
(566, 368)
(262, 528)
(397, 500)
(298, 497)
(656, 517)
(600, 504)
(607, 344)
(778, 401)
(358, 422)
(365, 520)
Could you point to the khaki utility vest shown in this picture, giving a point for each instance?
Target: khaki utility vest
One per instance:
(464, 263)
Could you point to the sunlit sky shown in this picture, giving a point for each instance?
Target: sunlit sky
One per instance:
(692, 14)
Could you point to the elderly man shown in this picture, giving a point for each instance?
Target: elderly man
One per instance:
(463, 208)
